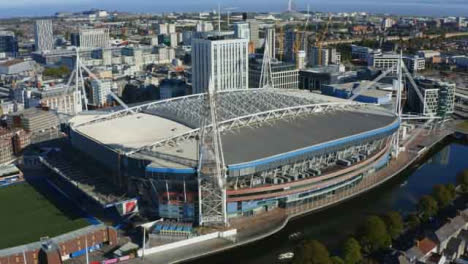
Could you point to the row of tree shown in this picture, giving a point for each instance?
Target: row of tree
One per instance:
(58, 72)
(377, 232)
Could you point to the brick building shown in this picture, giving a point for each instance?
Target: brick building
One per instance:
(60, 248)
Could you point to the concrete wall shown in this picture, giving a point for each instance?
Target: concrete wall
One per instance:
(187, 242)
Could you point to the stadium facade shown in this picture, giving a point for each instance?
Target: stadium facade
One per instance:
(280, 147)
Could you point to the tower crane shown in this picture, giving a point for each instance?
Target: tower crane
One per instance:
(281, 42)
(320, 38)
(300, 40)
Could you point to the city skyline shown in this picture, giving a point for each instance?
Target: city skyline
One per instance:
(398, 7)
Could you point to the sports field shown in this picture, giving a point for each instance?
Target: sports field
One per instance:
(27, 216)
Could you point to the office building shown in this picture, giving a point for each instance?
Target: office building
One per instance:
(43, 35)
(241, 30)
(300, 59)
(315, 78)
(91, 38)
(166, 28)
(66, 100)
(414, 63)
(335, 56)
(361, 53)
(203, 26)
(43, 125)
(100, 93)
(8, 43)
(254, 33)
(428, 54)
(284, 75)
(17, 67)
(439, 97)
(293, 42)
(384, 61)
(221, 58)
(270, 39)
(318, 56)
(388, 23)
(173, 39)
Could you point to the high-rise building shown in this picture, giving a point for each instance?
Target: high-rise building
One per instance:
(173, 39)
(8, 43)
(166, 29)
(241, 30)
(253, 28)
(293, 42)
(384, 61)
(439, 97)
(414, 63)
(270, 39)
(221, 58)
(318, 56)
(300, 59)
(204, 26)
(100, 93)
(62, 99)
(43, 35)
(284, 75)
(335, 56)
(388, 23)
(91, 38)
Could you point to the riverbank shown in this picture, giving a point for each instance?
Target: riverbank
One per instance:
(252, 229)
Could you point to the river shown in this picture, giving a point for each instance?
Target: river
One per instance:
(331, 226)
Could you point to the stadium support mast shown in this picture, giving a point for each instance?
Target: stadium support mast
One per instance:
(266, 78)
(398, 105)
(79, 81)
(211, 166)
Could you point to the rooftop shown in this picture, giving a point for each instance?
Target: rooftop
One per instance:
(131, 131)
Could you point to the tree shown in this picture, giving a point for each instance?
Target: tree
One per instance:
(441, 195)
(56, 72)
(394, 223)
(313, 252)
(373, 234)
(462, 180)
(351, 251)
(452, 191)
(337, 260)
(427, 207)
(413, 221)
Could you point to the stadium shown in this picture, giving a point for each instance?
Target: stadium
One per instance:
(279, 147)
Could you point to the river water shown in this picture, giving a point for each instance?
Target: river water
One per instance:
(331, 226)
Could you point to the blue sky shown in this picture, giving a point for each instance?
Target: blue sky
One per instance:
(49, 7)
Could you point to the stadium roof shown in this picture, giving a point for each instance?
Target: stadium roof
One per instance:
(247, 144)
(132, 131)
(260, 140)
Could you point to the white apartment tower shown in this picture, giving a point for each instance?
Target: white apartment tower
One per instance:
(242, 30)
(91, 38)
(224, 60)
(100, 93)
(43, 35)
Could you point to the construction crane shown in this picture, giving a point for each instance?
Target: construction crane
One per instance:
(320, 38)
(280, 41)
